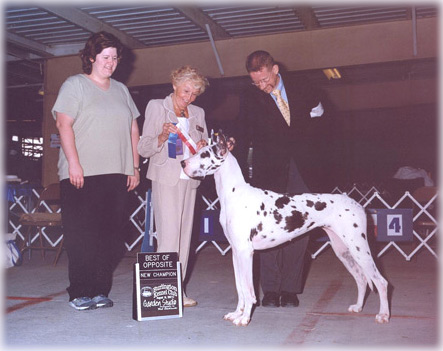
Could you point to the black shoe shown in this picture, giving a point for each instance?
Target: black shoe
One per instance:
(271, 299)
(289, 299)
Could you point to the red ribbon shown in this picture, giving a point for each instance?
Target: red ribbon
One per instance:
(188, 144)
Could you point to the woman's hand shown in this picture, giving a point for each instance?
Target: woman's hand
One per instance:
(201, 143)
(133, 181)
(167, 128)
(76, 175)
(231, 143)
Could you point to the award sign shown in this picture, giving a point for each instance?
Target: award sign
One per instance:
(157, 288)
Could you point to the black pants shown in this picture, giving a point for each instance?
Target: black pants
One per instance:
(93, 219)
(282, 267)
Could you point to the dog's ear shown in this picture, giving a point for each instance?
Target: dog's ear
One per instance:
(222, 145)
(214, 137)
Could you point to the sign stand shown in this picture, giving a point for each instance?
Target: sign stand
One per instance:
(157, 286)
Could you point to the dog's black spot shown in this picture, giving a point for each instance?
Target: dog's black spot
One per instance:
(310, 225)
(282, 201)
(305, 215)
(258, 213)
(331, 201)
(266, 192)
(253, 233)
(320, 206)
(358, 249)
(202, 166)
(265, 213)
(263, 236)
(205, 154)
(294, 222)
(278, 217)
(260, 227)
(262, 206)
(363, 235)
(309, 203)
(347, 209)
(272, 239)
(355, 225)
(233, 189)
(368, 253)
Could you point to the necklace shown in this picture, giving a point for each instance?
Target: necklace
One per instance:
(179, 112)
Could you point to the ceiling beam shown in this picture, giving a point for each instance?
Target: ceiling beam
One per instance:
(201, 19)
(307, 17)
(92, 24)
(30, 46)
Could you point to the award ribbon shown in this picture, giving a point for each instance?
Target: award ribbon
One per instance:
(187, 140)
(172, 143)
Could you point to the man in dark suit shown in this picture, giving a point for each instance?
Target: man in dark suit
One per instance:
(290, 141)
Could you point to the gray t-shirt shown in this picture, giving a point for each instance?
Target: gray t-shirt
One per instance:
(102, 126)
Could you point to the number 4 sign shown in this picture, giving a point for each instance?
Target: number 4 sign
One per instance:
(394, 224)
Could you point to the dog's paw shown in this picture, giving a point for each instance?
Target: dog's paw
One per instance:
(231, 316)
(355, 308)
(382, 318)
(242, 321)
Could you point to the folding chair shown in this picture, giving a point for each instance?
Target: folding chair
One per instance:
(42, 216)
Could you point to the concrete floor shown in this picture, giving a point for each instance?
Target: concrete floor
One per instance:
(38, 315)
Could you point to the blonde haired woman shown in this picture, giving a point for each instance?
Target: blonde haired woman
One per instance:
(172, 131)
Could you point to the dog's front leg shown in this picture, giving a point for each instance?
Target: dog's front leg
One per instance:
(242, 260)
(241, 301)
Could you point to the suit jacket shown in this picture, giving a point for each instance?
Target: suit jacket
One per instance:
(307, 140)
(161, 167)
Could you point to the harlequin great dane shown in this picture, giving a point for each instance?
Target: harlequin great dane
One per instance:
(256, 219)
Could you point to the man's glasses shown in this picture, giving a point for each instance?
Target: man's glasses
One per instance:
(262, 81)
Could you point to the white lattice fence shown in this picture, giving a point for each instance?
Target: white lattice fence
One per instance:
(358, 193)
(422, 213)
(137, 219)
(20, 204)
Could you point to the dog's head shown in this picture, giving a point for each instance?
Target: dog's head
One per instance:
(208, 159)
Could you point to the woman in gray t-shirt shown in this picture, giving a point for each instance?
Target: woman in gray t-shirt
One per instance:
(98, 165)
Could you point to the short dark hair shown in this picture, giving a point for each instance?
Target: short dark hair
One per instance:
(95, 45)
(259, 59)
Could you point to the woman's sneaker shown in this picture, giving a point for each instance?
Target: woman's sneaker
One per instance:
(102, 301)
(83, 303)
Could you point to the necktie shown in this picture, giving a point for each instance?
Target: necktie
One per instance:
(283, 106)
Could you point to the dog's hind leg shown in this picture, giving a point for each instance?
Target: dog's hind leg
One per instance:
(343, 254)
(364, 271)
(242, 260)
(382, 288)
